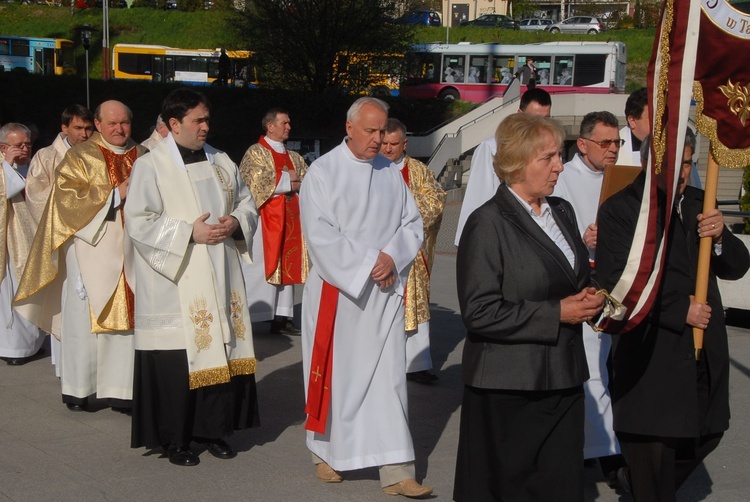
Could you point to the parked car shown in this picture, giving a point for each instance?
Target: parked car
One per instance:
(493, 21)
(534, 24)
(577, 24)
(425, 17)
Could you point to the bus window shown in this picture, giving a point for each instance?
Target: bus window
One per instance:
(563, 70)
(20, 47)
(453, 69)
(502, 69)
(4, 47)
(589, 68)
(478, 69)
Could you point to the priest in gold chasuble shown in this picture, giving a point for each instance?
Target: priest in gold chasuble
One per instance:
(75, 284)
(430, 199)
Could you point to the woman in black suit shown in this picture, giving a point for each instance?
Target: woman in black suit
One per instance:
(523, 288)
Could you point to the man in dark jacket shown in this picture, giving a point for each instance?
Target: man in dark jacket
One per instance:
(670, 411)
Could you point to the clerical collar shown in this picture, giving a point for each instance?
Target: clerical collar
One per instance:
(191, 156)
(119, 150)
(635, 142)
(400, 162)
(67, 143)
(278, 146)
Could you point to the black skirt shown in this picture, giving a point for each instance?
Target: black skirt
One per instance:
(167, 413)
(520, 446)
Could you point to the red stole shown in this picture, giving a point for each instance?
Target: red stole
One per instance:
(321, 362)
(282, 232)
(119, 167)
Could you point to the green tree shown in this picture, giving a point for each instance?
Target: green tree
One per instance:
(298, 42)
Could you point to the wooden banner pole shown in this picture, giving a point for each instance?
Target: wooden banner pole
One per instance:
(705, 248)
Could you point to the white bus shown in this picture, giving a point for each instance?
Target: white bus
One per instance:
(476, 72)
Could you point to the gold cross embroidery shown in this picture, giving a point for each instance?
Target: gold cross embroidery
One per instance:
(317, 373)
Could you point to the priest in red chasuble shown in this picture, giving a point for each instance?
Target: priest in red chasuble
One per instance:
(274, 175)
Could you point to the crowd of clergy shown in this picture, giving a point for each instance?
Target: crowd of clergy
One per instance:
(148, 264)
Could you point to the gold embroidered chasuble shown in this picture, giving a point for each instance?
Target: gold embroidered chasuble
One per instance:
(191, 296)
(258, 169)
(82, 195)
(430, 198)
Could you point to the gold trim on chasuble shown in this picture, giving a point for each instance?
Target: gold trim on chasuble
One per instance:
(236, 308)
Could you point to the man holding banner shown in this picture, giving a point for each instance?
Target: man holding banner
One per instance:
(670, 411)
(694, 56)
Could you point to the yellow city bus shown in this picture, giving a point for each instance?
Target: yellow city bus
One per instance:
(369, 73)
(40, 56)
(159, 63)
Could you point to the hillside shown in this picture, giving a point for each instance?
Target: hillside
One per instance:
(212, 29)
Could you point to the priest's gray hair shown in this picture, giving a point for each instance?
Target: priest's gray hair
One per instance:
(10, 128)
(353, 113)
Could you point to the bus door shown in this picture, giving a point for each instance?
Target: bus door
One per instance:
(168, 69)
(44, 61)
(157, 69)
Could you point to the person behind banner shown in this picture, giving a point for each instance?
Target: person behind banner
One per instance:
(581, 184)
(522, 274)
(190, 219)
(670, 411)
(274, 175)
(637, 128)
(363, 231)
(483, 180)
(430, 199)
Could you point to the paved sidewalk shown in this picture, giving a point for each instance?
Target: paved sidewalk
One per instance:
(48, 453)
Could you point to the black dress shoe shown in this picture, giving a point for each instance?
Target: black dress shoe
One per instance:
(181, 455)
(220, 449)
(619, 480)
(76, 407)
(424, 376)
(15, 361)
(284, 326)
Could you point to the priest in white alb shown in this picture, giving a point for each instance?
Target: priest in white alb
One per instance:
(363, 231)
(190, 218)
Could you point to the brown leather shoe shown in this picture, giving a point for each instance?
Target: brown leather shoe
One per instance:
(326, 474)
(408, 488)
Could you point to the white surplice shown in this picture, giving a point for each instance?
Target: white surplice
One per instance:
(581, 186)
(351, 210)
(482, 184)
(165, 198)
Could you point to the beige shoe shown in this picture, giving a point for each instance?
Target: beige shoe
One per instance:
(408, 488)
(327, 475)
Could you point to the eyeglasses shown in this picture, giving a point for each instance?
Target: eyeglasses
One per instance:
(20, 145)
(606, 143)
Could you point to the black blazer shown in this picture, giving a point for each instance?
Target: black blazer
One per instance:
(654, 370)
(511, 277)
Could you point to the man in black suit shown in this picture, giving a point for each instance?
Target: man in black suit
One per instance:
(670, 411)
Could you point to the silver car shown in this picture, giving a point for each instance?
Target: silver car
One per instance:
(577, 24)
(534, 24)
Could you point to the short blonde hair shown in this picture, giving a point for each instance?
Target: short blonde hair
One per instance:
(519, 136)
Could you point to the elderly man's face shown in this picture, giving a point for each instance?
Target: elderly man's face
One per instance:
(279, 129)
(114, 125)
(394, 145)
(366, 131)
(595, 155)
(18, 147)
